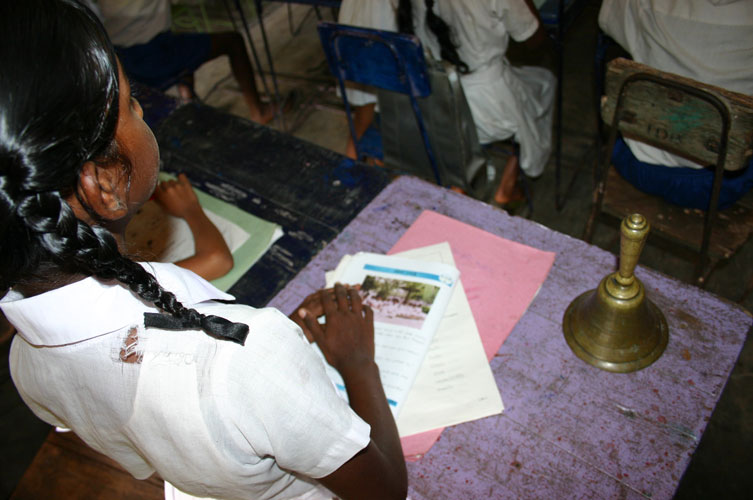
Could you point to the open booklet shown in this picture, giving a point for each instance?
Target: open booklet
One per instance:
(454, 383)
(409, 299)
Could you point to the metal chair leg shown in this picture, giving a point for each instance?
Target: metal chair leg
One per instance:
(601, 182)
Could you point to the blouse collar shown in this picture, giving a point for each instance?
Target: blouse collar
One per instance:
(89, 308)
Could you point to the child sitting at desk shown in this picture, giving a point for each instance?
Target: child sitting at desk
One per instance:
(505, 101)
(146, 362)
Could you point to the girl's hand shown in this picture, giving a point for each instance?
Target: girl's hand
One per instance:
(347, 337)
(347, 342)
(312, 304)
(177, 197)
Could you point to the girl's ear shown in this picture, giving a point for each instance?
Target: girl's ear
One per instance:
(104, 189)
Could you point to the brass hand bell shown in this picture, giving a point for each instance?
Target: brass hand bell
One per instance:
(615, 327)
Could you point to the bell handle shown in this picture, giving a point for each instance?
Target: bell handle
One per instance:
(634, 229)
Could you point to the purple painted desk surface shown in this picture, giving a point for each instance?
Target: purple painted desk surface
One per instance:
(568, 430)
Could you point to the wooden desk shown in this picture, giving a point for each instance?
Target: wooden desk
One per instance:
(569, 430)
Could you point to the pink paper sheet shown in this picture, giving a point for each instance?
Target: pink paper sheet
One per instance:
(500, 278)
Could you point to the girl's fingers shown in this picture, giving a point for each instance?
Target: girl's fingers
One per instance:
(328, 302)
(341, 293)
(369, 314)
(312, 325)
(355, 301)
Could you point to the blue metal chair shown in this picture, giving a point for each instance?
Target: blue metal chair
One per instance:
(384, 59)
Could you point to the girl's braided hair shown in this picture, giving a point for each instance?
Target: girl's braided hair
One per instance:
(437, 25)
(59, 109)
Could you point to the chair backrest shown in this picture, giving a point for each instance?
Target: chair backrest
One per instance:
(441, 121)
(700, 122)
(384, 59)
(705, 124)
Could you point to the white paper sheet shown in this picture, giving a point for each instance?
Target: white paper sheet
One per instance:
(455, 383)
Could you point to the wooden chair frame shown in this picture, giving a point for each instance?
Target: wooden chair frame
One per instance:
(624, 118)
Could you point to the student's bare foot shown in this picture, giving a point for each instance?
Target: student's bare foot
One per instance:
(185, 92)
(374, 162)
(268, 111)
(265, 115)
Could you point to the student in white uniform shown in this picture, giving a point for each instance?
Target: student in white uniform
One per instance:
(506, 102)
(146, 362)
(707, 40)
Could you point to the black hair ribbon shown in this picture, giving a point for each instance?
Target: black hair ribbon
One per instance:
(213, 325)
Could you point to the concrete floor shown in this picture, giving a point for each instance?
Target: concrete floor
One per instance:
(720, 467)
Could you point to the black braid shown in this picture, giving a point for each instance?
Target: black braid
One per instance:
(441, 30)
(77, 247)
(447, 48)
(58, 109)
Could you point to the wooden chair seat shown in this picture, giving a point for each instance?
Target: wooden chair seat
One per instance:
(682, 225)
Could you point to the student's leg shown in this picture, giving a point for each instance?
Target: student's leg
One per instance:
(362, 118)
(231, 44)
(167, 59)
(509, 189)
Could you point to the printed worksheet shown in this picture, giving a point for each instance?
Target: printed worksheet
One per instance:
(409, 298)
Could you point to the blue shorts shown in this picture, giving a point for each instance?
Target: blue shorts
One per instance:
(166, 58)
(683, 186)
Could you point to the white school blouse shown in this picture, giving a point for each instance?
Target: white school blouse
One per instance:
(213, 418)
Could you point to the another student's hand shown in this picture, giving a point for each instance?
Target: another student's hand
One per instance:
(177, 197)
(347, 337)
(212, 258)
